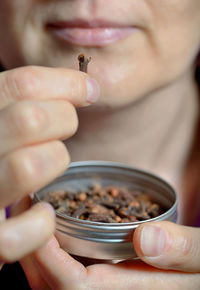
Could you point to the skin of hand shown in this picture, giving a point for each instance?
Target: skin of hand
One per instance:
(164, 245)
(35, 116)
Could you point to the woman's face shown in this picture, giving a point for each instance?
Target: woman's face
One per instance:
(137, 46)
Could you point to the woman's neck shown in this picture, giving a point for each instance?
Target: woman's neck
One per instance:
(154, 134)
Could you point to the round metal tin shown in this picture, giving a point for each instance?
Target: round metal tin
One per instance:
(108, 241)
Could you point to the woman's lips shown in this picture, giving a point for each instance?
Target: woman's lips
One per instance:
(90, 35)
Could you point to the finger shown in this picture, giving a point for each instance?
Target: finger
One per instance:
(34, 82)
(58, 268)
(168, 246)
(137, 275)
(27, 232)
(3, 214)
(31, 122)
(32, 273)
(26, 170)
(66, 274)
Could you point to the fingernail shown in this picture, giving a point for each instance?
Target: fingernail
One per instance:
(153, 240)
(93, 90)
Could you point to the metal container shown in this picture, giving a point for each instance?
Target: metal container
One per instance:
(111, 241)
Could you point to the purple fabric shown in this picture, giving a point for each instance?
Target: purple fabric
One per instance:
(197, 223)
(7, 212)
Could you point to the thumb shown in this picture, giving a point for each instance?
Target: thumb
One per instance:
(168, 246)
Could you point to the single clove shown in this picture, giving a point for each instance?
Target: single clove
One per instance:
(83, 62)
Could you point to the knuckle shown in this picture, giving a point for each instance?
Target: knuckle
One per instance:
(27, 118)
(186, 246)
(186, 249)
(22, 82)
(22, 170)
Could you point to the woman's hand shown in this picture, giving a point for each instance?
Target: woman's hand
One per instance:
(169, 246)
(37, 111)
(52, 268)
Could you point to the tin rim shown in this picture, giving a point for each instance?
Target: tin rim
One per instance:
(117, 226)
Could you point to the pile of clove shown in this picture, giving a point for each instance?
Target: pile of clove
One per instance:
(109, 204)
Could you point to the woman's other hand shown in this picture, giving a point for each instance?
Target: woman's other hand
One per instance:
(52, 268)
(169, 246)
